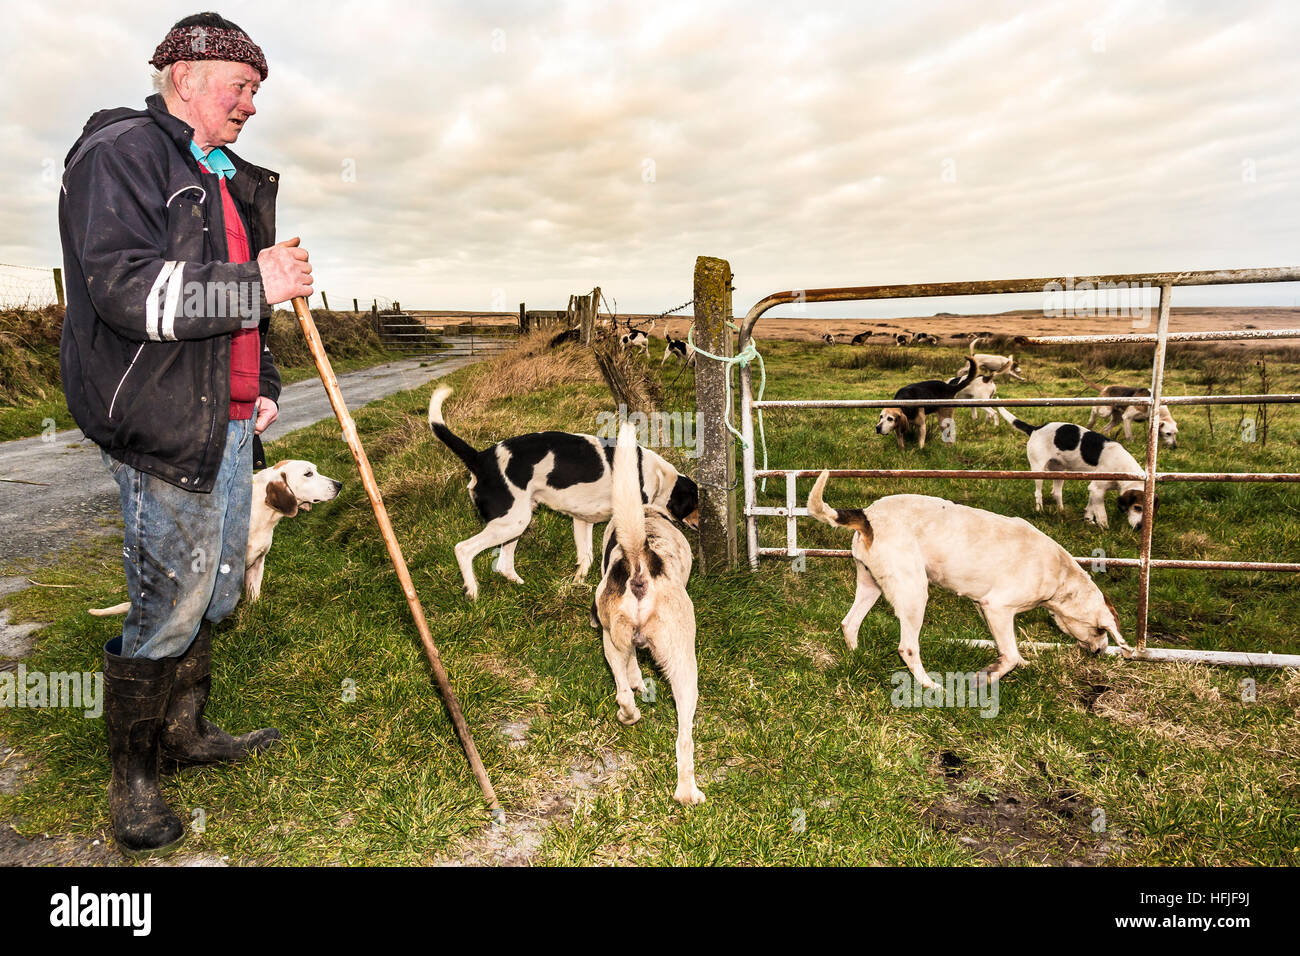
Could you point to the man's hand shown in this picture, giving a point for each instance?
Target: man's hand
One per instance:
(267, 413)
(285, 272)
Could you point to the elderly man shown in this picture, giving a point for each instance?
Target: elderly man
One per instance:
(171, 268)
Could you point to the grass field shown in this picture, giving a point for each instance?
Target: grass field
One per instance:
(799, 747)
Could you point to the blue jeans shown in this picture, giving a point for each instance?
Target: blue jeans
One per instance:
(183, 551)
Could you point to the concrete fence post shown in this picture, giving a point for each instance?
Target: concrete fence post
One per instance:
(716, 472)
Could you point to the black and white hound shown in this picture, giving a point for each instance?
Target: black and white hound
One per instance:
(861, 338)
(567, 472)
(898, 421)
(681, 349)
(638, 339)
(1064, 446)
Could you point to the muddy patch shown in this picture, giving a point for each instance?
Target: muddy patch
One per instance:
(1054, 828)
(16, 640)
(13, 766)
(515, 841)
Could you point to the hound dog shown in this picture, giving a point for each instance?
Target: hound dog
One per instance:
(996, 364)
(642, 603)
(278, 492)
(828, 338)
(982, 387)
(1126, 415)
(903, 543)
(638, 339)
(902, 338)
(1064, 446)
(861, 338)
(681, 349)
(566, 472)
(924, 338)
(898, 421)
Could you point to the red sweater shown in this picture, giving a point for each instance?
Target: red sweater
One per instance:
(245, 345)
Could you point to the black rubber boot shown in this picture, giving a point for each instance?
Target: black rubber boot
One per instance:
(136, 691)
(189, 739)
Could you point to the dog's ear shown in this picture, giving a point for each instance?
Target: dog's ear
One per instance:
(280, 498)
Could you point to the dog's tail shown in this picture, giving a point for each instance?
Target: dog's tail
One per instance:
(122, 608)
(1025, 427)
(854, 518)
(628, 511)
(974, 342)
(1091, 384)
(463, 450)
(969, 375)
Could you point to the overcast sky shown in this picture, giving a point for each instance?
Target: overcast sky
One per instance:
(520, 151)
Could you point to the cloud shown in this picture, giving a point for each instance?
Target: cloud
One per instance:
(474, 155)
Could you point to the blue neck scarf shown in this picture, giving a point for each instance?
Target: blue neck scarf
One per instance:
(215, 162)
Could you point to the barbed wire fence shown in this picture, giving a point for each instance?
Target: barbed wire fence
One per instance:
(27, 287)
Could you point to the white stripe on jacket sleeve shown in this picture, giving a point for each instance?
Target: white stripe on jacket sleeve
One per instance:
(175, 282)
(151, 302)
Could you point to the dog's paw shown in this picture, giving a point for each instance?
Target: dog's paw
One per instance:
(629, 717)
(688, 794)
(471, 593)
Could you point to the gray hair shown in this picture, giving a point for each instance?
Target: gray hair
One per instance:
(162, 79)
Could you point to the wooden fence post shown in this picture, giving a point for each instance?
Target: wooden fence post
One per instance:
(325, 301)
(590, 304)
(58, 286)
(354, 306)
(716, 473)
(523, 319)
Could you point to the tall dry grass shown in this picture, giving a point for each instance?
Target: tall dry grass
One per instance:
(29, 354)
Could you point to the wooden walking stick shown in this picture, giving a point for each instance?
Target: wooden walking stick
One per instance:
(394, 551)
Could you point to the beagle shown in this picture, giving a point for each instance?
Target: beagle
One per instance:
(638, 339)
(642, 603)
(861, 338)
(1064, 446)
(903, 543)
(278, 492)
(982, 387)
(901, 420)
(568, 473)
(995, 364)
(1126, 415)
(681, 349)
(902, 338)
(828, 338)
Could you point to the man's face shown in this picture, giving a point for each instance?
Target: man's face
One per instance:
(223, 101)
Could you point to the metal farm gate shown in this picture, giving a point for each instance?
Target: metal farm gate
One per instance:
(1165, 281)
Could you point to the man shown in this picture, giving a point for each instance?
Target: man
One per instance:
(171, 269)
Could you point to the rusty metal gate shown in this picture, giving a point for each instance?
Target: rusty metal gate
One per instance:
(1165, 281)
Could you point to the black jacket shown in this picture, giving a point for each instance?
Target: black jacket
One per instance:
(151, 299)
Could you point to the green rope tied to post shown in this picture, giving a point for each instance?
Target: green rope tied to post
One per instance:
(746, 355)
